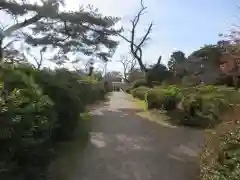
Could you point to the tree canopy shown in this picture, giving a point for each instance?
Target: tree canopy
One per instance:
(86, 30)
(159, 73)
(177, 57)
(212, 53)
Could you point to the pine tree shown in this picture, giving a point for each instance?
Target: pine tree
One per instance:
(85, 30)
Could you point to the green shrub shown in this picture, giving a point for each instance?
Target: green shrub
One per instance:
(166, 98)
(139, 92)
(204, 106)
(191, 104)
(70, 95)
(64, 90)
(138, 83)
(128, 90)
(37, 109)
(27, 121)
(189, 81)
(220, 158)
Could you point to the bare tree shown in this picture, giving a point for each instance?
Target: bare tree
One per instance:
(128, 65)
(136, 48)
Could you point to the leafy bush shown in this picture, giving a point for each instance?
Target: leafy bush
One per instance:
(70, 95)
(139, 92)
(138, 83)
(191, 104)
(220, 158)
(204, 106)
(166, 98)
(67, 103)
(189, 81)
(38, 108)
(128, 90)
(27, 121)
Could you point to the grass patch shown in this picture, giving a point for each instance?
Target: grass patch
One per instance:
(70, 153)
(140, 103)
(157, 116)
(154, 115)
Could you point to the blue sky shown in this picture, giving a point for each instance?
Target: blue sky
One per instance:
(178, 24)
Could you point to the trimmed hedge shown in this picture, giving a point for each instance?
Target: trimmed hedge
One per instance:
(138, 83)
(163, 98)
(201, 106)
(203, 110)
(204, 105)
(139, 92)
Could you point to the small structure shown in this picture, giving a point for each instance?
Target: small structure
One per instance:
(117, 86)
(120, 86)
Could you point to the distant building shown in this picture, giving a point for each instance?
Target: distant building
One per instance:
(230, 62)
(204, 71)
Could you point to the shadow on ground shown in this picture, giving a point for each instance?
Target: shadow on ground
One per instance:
(125, 146)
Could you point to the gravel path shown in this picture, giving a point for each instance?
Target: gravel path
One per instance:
(125, 146)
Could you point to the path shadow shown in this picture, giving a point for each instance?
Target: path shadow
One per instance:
(124, 145)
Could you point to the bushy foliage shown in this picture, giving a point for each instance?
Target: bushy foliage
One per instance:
(166, 98)
(64, 91)
(220, 158)
(176, 58)
(27, 122)
(128, 90)
(159, 73)
(207, 102)
(201, 106)
(190, 81)
(138, 83)
(139, 92)
(212, 52)
(37, 109)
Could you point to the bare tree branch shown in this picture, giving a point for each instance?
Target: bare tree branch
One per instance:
(38, 60)
(128, 65)
(17, 26)
(9, 44)
(78, 70)
(136, 48)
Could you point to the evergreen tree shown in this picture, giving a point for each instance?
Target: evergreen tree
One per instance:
(85, 30)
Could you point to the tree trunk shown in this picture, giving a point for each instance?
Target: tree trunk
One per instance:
(90, 71)
(1, 50)
(236, 82)
(148, 79)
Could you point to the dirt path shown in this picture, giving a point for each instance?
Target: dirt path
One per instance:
(125, 146)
